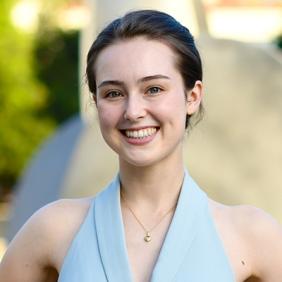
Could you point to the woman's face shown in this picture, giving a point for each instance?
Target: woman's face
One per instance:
(141, 101)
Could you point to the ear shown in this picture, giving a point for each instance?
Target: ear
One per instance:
(194, 97)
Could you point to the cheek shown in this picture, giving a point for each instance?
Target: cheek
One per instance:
(108, 116)
(173, 107)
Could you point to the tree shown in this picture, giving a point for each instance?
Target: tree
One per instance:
(22, 98)
(56, 66)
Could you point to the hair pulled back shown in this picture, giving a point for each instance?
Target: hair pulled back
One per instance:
(154, 25)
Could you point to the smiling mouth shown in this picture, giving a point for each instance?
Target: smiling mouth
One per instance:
(140, 133)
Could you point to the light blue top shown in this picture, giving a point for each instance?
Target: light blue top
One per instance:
(192, 250)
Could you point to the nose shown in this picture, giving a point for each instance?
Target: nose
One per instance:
(134, 108)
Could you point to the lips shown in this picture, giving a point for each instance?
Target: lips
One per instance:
(140, 133)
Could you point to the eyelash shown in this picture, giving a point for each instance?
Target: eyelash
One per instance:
(159, 89)
(110, 94)
(151, 91)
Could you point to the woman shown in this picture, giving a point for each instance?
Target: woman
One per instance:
(152, 223)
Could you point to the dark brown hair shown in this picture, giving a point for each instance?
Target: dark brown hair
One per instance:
(153, 25)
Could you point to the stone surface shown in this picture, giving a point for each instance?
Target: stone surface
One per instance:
(236, 152)
(42, 181)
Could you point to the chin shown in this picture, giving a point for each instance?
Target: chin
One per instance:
(142, 161)
(137, 162)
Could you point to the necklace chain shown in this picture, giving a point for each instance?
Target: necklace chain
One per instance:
(147, 237)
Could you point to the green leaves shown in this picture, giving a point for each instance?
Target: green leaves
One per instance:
(38, 89)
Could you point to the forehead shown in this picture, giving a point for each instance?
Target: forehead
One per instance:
(136, 57)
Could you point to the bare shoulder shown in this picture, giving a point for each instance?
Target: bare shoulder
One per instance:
(246, 218)
(257, 227)
(264, 237)
(61, 220)
(38, 249)
(258, 239)
(62, 217)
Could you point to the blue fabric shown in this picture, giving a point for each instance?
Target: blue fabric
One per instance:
(192, 250)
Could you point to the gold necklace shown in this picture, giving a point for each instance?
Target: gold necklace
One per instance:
(147, 237)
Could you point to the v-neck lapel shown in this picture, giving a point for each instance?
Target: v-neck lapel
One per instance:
(110, 234)
(111, 237)
(182, 230)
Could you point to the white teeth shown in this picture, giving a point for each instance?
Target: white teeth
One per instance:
(142, 133)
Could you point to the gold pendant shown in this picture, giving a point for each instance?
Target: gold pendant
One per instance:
(147, 238)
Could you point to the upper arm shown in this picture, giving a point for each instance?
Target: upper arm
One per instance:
(265, 241)
(37, 252)
(27, 258)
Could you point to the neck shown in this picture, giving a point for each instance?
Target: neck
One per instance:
(153, 188)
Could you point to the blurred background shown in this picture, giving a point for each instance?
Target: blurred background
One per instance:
(50, 145)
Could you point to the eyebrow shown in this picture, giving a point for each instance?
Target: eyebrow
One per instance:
(143, 79)
(152, 77)
(110, 82)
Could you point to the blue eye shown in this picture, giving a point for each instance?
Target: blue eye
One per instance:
(113, 94)
(154, 90)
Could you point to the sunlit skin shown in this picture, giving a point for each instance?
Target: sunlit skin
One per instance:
(139, 86)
